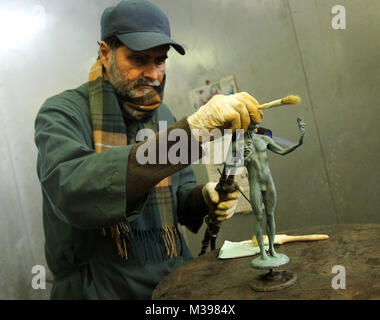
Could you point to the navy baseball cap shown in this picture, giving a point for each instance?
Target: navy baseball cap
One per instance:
(139, 24)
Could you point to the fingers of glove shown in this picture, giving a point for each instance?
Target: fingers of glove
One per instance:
(233, 195)
(235, 111)
(230, 215)
(232, 119)
(226, 212)
(214, 195)
(230, 112)
(223, 215)
(256, 116)
(223, 218)
(252, 105)
(226, 204)
(208, 115)
(210, 194)
(240, 106)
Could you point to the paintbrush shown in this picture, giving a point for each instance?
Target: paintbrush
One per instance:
(291, 99)
(284, 238)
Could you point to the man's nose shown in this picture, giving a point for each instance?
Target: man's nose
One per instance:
(151, 71)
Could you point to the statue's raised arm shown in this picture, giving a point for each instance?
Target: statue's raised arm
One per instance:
(274, 147)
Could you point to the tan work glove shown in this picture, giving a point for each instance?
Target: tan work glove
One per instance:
(226, 112)
(223, 210)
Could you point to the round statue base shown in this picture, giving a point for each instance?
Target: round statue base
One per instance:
(273, 281)
(270, 262)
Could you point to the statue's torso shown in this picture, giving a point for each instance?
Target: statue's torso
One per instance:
(257, 164)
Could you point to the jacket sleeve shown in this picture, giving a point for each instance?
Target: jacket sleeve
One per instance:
(84, 188)
(191, 208)
(144, 176)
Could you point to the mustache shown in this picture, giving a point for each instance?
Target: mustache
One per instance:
(146, 82)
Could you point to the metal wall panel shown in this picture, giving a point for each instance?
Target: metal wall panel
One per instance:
(16, 255)
(343, 77)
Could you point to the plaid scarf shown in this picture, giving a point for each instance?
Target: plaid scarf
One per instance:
(144, 239)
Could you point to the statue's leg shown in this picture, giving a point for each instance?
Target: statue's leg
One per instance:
(256, 200)
(269, 199)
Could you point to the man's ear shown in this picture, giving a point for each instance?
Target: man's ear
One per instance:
(105, 54)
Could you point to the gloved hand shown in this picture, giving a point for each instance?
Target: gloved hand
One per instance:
(223, 210)
(226, 112)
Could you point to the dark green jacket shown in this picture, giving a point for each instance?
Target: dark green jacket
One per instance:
(84, 191)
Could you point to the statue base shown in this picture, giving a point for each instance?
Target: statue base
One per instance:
(273, 280)
(270, 261)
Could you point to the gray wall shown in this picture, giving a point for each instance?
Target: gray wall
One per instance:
(272, 47)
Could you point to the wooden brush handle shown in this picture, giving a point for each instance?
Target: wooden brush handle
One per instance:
(310, 237)
(284, 238)
(271, 104)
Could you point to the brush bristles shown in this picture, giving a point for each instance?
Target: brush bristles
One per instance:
(292, 99)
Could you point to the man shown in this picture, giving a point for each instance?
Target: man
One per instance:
(110, 221)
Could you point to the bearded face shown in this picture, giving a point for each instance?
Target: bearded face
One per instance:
(128, 89)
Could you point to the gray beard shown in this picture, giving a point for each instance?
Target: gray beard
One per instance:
(125, 89)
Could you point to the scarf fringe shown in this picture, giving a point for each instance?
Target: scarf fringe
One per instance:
(146, 245)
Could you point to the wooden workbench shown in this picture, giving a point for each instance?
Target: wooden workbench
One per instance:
(355, 247)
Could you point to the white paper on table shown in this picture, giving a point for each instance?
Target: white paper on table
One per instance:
(245, 248)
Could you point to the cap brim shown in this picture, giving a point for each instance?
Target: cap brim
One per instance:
(139, 41)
